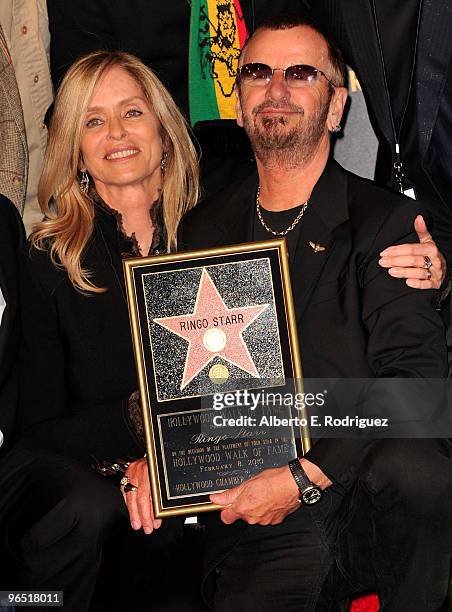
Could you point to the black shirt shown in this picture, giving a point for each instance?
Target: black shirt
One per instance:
(279, 221)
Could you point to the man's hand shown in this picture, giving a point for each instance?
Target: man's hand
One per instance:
(408, 260)
(315, 474)
(139, 503)
(266, 499)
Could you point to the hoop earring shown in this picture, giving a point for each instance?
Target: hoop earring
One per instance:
(164, 162)
(84, 182)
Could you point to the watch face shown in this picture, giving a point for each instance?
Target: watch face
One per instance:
(312, 495)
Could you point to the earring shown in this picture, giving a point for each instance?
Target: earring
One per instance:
(164, 161)
(336, 129)
(84, 182)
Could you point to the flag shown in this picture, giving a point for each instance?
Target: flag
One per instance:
(217, 34)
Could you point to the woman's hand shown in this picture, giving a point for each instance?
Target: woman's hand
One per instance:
(138, 501)
(421, 264)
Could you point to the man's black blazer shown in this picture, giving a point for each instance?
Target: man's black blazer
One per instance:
(354, 320)
(12, 237)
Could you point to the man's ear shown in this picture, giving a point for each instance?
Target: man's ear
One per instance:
(336, 110)
(238, 106)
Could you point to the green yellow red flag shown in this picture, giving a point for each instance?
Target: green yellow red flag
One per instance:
(217, 34)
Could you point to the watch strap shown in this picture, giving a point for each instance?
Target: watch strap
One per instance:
(299, 475)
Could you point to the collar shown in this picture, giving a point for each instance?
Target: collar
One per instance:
(129, 244)
(329, 197)
(232, 222)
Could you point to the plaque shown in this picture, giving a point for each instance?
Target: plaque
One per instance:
(218, 363)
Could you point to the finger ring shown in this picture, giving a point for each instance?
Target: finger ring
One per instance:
(427, 262)
(429, 275)
(129, 488)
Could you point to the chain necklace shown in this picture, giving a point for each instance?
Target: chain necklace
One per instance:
(269, 229)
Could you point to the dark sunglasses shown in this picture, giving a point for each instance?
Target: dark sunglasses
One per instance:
(296, 76)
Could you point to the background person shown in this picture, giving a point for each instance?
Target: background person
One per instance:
(27, 93)
(401, 56)
(12, 238)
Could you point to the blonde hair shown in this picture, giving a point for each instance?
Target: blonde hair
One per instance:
(68, 211)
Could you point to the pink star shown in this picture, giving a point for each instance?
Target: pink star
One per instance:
(213, 330)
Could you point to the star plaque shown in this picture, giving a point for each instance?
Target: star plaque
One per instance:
(213, 329)
(208, 325)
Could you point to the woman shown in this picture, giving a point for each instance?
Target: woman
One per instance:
(120, 171)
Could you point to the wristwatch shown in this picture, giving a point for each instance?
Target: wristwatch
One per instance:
(310, 493)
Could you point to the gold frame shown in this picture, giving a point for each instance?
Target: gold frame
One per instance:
(129, 265)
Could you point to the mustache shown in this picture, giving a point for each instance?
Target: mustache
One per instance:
(281, 105)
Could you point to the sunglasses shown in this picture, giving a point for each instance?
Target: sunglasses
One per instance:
(296, 76)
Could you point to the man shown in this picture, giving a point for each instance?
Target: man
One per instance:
(373, 524)
(11, 239)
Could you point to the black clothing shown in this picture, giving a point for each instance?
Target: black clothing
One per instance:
(12, 237)
(380, 53)
(387, 536)
(397, 22)
(58, 517)
(343, 298)
(354, 321)
(392, 537)
(298, 551)
(129, 244)
(84, 341)
(279, 221)
(62, 524)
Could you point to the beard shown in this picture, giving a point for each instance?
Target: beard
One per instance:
(275, 143)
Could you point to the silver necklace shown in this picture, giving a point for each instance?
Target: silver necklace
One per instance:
(269, 229)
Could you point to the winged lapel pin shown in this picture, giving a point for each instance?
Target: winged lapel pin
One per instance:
(317, 248)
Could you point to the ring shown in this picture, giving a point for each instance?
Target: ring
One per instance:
(429, 275)
(129, 488)
(427, 262)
